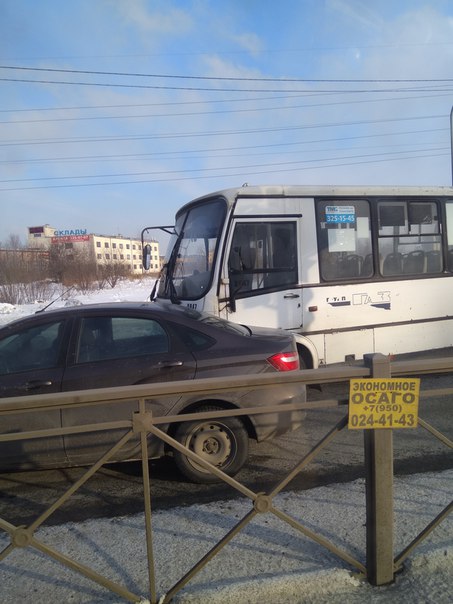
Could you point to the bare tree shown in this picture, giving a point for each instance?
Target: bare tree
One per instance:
(13, 242)
(72, 266)
(23, 274)
(112, 272)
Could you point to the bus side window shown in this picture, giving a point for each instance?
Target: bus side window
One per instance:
(344, 240)
(409, 237)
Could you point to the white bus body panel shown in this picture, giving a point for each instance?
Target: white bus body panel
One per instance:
(375, 316)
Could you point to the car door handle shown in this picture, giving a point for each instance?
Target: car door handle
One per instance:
(165, 364)
(291, 296)
(37, 384)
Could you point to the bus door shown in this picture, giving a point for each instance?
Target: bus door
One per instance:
(260, 275)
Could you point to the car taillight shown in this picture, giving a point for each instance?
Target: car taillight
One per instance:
(285, 361)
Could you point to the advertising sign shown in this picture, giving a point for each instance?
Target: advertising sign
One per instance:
(70, 238)
(383, 403)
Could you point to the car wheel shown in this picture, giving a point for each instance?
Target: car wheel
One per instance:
(222, 442)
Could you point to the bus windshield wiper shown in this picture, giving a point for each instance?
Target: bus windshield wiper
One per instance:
(170, 288)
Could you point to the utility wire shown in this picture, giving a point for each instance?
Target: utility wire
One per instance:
(311, 49)
(218, 89)
(183, 154)
(253, 110)
(211, 133)
(164, 103)
(192, 170)
(229, 78)
(174, 178)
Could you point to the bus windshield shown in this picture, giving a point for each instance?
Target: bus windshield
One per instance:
(192, 251)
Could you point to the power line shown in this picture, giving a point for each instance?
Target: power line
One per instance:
(222, 111)
(174, 178)
(160, 104)
(248, 99)
(392, 156)
(211, 133)
(262, 51)
(230, 78)
(298, 162)
(182, 154)
(217, 89)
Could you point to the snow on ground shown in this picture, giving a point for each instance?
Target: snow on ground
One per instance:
(135, 290)
(269, 561)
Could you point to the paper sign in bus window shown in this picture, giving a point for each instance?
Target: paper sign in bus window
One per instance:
(342, 240)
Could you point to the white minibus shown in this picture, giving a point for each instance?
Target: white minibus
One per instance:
(350, 270)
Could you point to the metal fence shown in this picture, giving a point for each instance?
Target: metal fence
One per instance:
(381, 564)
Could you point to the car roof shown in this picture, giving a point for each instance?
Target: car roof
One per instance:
(166, 312)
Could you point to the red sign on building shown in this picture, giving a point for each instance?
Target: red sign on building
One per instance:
(70, 238)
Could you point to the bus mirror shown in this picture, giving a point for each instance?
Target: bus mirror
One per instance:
(146, 260)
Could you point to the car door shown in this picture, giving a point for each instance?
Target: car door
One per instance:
(118, 350)
(32, 361)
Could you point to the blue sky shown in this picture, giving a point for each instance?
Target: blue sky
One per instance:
(114, 113)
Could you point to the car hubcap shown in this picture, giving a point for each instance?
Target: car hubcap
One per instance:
(212, 442)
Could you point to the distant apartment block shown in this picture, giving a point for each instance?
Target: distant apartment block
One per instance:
(103, 249)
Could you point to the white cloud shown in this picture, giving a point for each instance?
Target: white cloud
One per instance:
(168, 21)
(359, 12)
(250, 42)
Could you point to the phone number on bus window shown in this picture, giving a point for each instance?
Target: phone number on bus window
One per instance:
(340, 218)
(340, 214)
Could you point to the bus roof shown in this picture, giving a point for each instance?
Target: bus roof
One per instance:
(325, 191)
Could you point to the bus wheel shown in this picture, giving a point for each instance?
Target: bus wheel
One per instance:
(305, 360)
(222, 442)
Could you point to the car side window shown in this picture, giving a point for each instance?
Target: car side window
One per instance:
(36, 347)
(103, 338)
(193, 339)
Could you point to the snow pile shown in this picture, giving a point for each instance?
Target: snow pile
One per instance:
(7, 309)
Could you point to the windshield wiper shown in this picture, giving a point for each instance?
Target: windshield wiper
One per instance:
(170, 288)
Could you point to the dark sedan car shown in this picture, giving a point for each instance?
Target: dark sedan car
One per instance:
(118, 344)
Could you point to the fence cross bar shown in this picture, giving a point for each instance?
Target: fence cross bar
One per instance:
(307, 459)
(429, 528)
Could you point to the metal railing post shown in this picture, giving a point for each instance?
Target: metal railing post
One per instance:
(379, 490)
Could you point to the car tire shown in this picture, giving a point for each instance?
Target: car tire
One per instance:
(223, 442)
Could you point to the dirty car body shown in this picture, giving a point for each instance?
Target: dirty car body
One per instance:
(119, 344)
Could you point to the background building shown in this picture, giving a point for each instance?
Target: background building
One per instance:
(103, 249)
